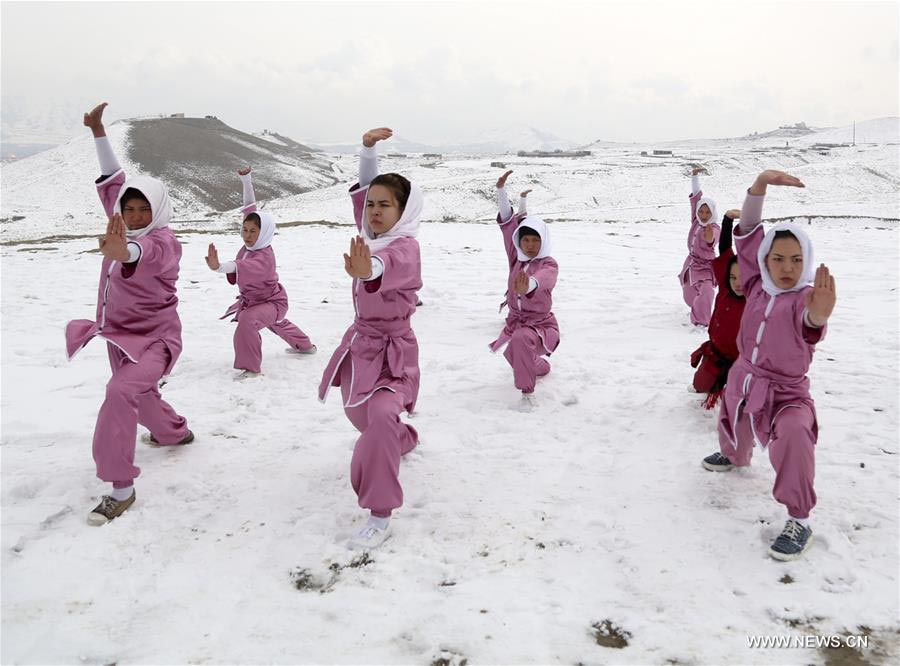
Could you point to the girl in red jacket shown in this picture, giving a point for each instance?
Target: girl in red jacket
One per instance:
(716, 355)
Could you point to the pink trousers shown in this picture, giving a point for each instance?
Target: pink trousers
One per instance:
(248, 343)
(792, 452)
(132, 397)
(699, 297)
(524, 352)
(384, 439)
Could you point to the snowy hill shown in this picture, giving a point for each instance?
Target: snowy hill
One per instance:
(614, 183)
(876, 131)
(510, 140)
(498, 141)
(399, 144)
(197, 158)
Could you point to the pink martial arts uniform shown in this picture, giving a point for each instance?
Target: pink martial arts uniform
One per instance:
(767, 399)
(697, 279)
(377, 362)
(531, 330)
(137, 315)
(262, 301)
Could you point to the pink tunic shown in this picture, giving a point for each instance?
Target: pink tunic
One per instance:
(533, 309)
(698, 264)
(380, 344)
(136, 303)
(776, 347)
(257, 281)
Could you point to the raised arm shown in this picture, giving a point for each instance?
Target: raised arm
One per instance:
(727, 223)
(368, 156)
(249, 197)
(751, 212)
(93, 119)
(523, 199)
(696, 192)
(504, 208)
(112, 176)
(695, 179)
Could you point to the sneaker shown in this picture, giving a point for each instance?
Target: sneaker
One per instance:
(188, 438)
(717, 463)
(527, 403)
(311, 350)
(246, 374)
(792, 542)
(108, 509)
(369, 537)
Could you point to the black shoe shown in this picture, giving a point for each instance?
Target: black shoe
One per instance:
(188, 438)
(792, 542)
(717, 463)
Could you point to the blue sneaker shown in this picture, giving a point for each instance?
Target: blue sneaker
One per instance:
(792, 542)
(717, 463)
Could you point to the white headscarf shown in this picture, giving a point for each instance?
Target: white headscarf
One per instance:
(536, 223)
(160, 205)
(407, 226)
(266, 230)
(712, 211)
(809, 271)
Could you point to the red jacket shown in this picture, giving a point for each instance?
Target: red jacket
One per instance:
(728, 310)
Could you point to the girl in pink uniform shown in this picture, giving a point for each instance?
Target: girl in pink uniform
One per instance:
(698, 281)
(262, 301)
(137, 315)
(767, 400)
(531, 331)
(377, 362)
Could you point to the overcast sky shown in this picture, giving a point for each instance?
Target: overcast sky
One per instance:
(435, 72)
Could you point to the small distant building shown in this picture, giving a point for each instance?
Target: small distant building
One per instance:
(208, 117)
(643, 153)
(663, 153)
(499, 165)
(396, 155)
(177, 115)
(435, 155)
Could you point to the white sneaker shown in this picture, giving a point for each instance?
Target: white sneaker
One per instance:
(527, 403)
(246, 374)
(311, 350)
(370, 536)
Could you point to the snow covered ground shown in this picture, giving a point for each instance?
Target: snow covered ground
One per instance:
(520, 531)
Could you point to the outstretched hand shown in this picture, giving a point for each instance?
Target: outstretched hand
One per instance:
(94, 119)
(244, 171)
(698, 170)
(821, 298)
(774, 177)
(212, 258)
(734, 213)
(522, 283)
(113, 244)
(501, 181)
(373, 136)
(358, 263)
(525, 193)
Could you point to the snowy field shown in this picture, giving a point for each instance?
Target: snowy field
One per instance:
(614, 183)
(521, 533)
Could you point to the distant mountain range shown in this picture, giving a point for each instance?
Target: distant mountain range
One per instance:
(497, 141)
